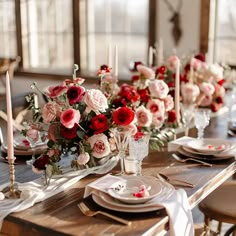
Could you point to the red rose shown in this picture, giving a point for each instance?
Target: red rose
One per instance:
(123, 116)
(171, 116)
(200, 57)
(75, 94)
(161, 70)
(138, 135)
(134, 66)
(144, 95)
(187, 67)
(171, 84)
(221, 82)
(134, 78)
(99, 124)
(41, 162)
(119, 102)
(219, 100)
(129, 93)
(69, 133)
(215, 107)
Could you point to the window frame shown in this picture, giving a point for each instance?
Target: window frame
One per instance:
(76, 41)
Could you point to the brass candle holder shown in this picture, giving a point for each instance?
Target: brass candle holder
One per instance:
(12, 191)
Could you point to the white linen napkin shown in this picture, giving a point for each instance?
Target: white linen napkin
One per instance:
(35, 191)
(176, 205)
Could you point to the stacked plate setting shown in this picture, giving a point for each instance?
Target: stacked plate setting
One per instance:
(119, 197)
(208, 149)
(22, 147)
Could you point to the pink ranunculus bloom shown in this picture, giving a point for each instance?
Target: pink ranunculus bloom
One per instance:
(189, 92)
(169, 103)
(156, 106)
(33, 134)
(54, 91)
(144, 116)
(70, 117)
(195, 63)
(95, 101)
(100, 145)
(158, 89)
(172, 62)
(50, 112)
(83, 158)
(207, 88)
(219, 90)
(158, 120)
(146, 72)
(206, 101)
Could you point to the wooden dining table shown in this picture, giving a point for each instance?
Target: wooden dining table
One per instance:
(60, 215)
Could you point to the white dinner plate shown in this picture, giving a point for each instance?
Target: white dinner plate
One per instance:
(135, 184)
(109, 202)
(209, 146)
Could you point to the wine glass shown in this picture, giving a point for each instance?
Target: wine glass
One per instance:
(33, 136)
(202, 120)
(121, 135)
(187, 113)
(138, 150)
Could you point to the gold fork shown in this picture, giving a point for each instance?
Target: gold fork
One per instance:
(88, 212)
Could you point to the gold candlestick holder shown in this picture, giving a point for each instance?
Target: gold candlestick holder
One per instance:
(12, 191)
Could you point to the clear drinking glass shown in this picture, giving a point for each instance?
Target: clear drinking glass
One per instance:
(138, 150)
(202, 120)
(33, 135)
(121, 135)
(187, 113)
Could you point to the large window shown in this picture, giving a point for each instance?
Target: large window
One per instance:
(47, 34)
(222, 35)
(7, 29)
(51, 35)
(113, 22)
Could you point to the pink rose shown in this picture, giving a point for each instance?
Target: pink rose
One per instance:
(50, 112)
(189, 92)
(206, 101)
(100, 145)
(33, 134)
(53, 152)
(146, 72)
(96, 101)
(54, 91)
(158, 120)
(169, 103)
(156, 106)
(70, 117)
(144, 116)
(83, 158)
(172, 62)
(195, 63)
(158, 88)
(207, 88)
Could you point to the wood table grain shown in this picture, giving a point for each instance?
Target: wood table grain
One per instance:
(60, 215)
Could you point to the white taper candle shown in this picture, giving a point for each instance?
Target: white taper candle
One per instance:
(10, 149)
(177, 91)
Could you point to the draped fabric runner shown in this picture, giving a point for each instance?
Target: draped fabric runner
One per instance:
(34, 191)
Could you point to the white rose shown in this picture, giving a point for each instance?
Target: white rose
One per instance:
(158, 89)
(216, 70)
(189, 92)
(83, 158)
(96, 101)
(207, 88)
(144, 116)
(100, 145)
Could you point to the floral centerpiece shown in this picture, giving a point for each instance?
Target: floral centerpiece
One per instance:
(201, 83)
(78, 121)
